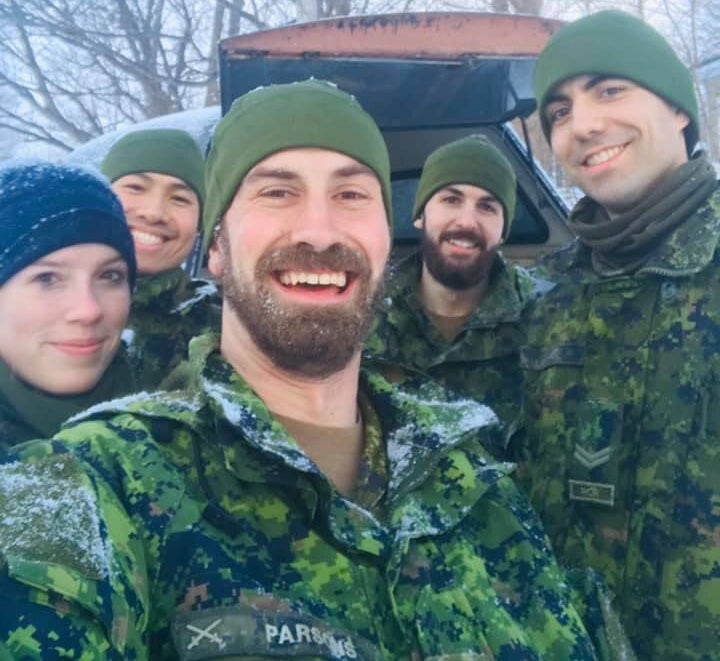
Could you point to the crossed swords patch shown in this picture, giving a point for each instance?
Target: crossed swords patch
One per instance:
(207, 632)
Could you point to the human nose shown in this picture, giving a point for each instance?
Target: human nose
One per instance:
(465, 217)
(84, 305)
(316, 224)
(152, 208)
(587, 118)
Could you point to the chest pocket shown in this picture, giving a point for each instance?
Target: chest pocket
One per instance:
(576, 434)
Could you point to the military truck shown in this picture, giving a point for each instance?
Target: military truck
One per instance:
(427, 79)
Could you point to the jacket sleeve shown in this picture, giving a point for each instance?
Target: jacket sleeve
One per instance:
(72, 570)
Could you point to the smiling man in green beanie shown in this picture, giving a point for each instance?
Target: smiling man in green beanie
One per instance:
(281, 503)
(453, 308)
(622, 364)
(158, 174)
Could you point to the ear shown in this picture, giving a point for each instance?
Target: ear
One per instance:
(682, 118)
(216, 253)
(419, 221)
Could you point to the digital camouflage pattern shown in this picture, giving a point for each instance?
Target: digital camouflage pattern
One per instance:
(623, 439)
(168, 310)
(482, 362)
(189, 525)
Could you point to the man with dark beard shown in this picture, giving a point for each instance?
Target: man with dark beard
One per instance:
(282, 504)
(454, 307)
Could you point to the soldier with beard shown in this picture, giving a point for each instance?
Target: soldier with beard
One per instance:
(282, 503)
(453, 310)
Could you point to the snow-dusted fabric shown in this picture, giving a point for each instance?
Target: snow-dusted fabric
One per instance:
(45, 207)
(204, 515)
(310, 113)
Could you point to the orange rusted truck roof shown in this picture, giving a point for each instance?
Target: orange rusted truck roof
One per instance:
(424, 35)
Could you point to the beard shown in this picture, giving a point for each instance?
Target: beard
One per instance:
(457, 275)
(313, 341)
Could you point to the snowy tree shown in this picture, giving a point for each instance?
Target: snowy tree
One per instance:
(73, 69)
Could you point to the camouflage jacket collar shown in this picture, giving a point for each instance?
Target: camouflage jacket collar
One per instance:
(437, 465)
(173, 291)
(504, 300)
(418, 428)
(165, 284)
(689, 249)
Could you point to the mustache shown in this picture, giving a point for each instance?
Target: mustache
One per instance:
(464, 234)
(337, 257)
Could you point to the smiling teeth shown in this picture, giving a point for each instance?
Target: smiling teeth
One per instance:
(145, 238)
(323, 279)
(604, 155)
(463, 243)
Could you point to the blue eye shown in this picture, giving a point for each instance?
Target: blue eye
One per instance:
(46, 278)
(115, 276)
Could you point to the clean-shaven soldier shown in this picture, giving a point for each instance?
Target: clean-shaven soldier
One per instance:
(622, 363)
(283, 503)
(158, 174)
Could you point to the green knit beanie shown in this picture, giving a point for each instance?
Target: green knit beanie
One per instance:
(472, 160)
(166, 151)
(311, 113)
(614, 43)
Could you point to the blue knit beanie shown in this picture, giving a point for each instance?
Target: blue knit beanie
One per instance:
(47, 206)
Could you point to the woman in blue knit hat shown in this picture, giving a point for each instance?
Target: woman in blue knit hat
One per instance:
(67, 268)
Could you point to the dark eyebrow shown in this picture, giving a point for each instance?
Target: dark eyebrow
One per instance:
(45, 262)
(181, 186)
(451, 189)
(488, 197)
(290, 175)
(592, 81)
(118, 259)
(352, 170)
(270, 173)
(147, 176)
(595, 80)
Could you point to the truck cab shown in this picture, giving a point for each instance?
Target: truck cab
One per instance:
(427, 79)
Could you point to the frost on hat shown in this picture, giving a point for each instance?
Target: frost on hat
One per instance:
(45, 207)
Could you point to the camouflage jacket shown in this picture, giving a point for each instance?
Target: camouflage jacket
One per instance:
(623, 440)
(190, 525)
(481, 362)
(168, 309)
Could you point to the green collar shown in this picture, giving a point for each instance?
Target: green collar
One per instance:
(421, 431)
(45, 413)
(688, 250)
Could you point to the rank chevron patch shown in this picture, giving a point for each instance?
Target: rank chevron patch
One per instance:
(590, 459)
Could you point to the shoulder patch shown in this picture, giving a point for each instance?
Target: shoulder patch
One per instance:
(49, 513)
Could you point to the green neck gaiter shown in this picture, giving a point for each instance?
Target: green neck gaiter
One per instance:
(622, 244)
(45, 412)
